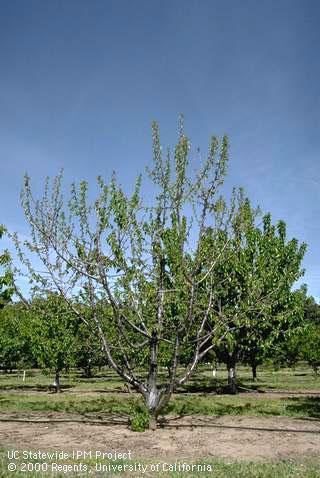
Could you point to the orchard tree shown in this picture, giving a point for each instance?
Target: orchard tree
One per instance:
(88, 350)
(304, 342)
(256, 280)
(15, 349)
(311, 310)
(148, 259)
(287, 352)
(310, 346)
(286, 320)
(311, 334)
(52, 331)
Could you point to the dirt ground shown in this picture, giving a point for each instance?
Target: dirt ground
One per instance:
(190, 438)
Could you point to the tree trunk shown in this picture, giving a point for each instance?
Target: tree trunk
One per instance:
(152, 403)
(232, 379)
(88, 371)
(153, 394)
(153, 423)
(156, 399)
(56, 382)
(254, 371)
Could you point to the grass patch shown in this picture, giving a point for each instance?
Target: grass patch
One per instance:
(122, 405)
(304, 407)
(104, 393)
(298, 379)
(12, 402)
(294, 379)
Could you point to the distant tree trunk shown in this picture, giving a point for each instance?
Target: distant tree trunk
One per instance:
(88, 370)
(232, 379)
(253, 363)
(254, 370)
(56, 382)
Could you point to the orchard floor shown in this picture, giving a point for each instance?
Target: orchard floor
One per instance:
(261, 439)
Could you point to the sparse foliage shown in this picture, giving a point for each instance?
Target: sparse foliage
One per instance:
(150, 262)
(6, 280)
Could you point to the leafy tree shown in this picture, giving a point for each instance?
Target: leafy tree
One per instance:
(311, 334)
(311, 310)
(88, 350)
(287, 352)
(14, 346)
(6, 280)
(256, 294)
(148, 260)
(302, 342)
(310, 345)
(52, 332)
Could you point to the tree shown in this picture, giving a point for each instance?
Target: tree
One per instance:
(256, 287)
(311, 310)
(52, 331)
(302, 341)
(6, 280)
(88, 350)
(145, 259)
(310, 345)
(310, 336)
(14, 346)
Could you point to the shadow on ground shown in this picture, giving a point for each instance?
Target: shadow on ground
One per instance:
(306, 406)
(219, 387)
(34, 388)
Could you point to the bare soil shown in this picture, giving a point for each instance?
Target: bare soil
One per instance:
(189, 438)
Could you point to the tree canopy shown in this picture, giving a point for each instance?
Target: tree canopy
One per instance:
(165, 278)
(261, 267)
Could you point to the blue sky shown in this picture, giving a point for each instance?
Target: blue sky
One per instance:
(81, 82)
